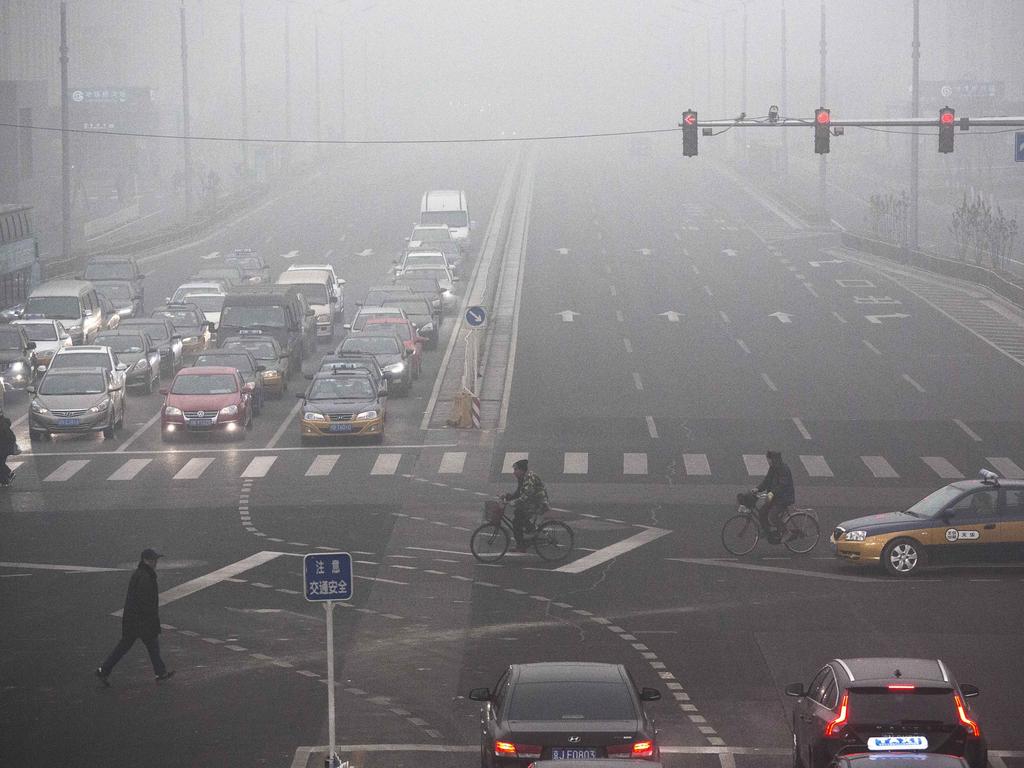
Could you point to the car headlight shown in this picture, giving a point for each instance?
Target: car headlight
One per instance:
(367, 415)
(190, 340)
(37, 407)
(124, 312)
(395, 368)
(855, 535)
(170, 410)
(100, 407)
(271, 373)
(229, 410)
(313, 416)
(17, 366)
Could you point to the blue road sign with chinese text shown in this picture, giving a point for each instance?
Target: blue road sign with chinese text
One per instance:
(327, 576)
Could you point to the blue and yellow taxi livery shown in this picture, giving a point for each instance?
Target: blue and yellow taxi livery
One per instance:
(343, 404)
(963, 522)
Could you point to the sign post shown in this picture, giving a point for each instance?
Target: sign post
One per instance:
(327, 577)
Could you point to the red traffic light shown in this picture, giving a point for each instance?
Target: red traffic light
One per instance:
(690, 118)
(823, 117)
(947, 117)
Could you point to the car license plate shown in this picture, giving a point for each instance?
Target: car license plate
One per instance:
(200, 422)
(574, 753)
(883, 743)
(341, 427)
(68, 422)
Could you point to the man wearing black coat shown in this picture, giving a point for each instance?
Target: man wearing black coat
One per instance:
(141, 619)
(781, 493)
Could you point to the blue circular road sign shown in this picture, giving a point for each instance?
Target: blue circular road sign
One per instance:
(476, 317)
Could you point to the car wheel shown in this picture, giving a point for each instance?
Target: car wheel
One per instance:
(108, 432)
(902, 557)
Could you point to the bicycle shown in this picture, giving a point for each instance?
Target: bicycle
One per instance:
(799, 530)
(552, 540)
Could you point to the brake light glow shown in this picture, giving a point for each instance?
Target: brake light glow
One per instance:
(508, 749)
(504, 749)
(965, 721)
(643, 748)
(901, 687)
(840, 719)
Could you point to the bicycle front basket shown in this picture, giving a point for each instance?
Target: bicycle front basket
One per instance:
(492, 512)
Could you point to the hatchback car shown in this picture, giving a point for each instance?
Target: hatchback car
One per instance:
(48, 335)
(564, 711)
(391, 355)
(882, 705)
(209, 401)
(276, 364)
(76, 401)
(342, 404)
(138, 352)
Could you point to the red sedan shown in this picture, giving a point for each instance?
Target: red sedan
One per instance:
(206, 400)
(406, 331)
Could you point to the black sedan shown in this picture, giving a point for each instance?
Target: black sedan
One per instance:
(246, 365)
(564, 711)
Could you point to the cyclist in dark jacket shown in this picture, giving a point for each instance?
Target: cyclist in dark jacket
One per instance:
(781, 494)
(530, 499)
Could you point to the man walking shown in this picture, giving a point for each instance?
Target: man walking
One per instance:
(141, 619)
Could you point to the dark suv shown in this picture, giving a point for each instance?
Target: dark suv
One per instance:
(884, 705)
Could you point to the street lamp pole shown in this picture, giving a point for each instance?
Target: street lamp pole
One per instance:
(185, 118)
(783, 96)
(244, 88)
(65, 138)
(915, 149)
(316, 76)
(287, 73)
(822, 95)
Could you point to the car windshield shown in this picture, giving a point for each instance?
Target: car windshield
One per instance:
(429, 259)
(360, 319)
(121, 344)
(375, 345)
(157, 331)
(431, 235)
(448, 218)
(402, 330)
(412, 306)
(245, 262)
(113, 270)
(340, 387)
(81, 360)
(72, 384)
(10, 337)
(241, 362)
(59, 307)
(40, 331)
(935, 502)
(575, 701)
(208, 302)
(881, 705)
(419, 284)
(242, 316)
(437, 273)
(260, 349)
(180, 318)
(204, 384)
(115, 292)
(315, 293)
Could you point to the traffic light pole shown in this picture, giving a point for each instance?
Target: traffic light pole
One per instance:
(822, 162)
(915, 146)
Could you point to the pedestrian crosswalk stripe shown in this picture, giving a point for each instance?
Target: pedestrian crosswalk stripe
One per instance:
(14, 465)
(386, 464)
(575, 463)
(943, 468)
(879, 466)
(65, 471)
(510, 459)
(816, 466)
(193, 469)
(696, 464)
(322, 465)
(634, 463)
(757, 464)
(259, 466)
(130, 469)
(1006, 467)
(452, 462)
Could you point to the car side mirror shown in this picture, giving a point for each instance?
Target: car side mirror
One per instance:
(32, 390)
(175, 338)
(347, 326)
(310, 313)
(334, 299)
(249, 387)
(650, 694)
(969, 691)
(164, 390)
(167, 299)
(31, 345)
(795, 689)
(121, 367)
(211, 325)
(480, 694)
(260, 368)
(88, 313)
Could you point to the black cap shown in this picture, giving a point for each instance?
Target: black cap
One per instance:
(149, 554)
(773, 455)
(522, 464)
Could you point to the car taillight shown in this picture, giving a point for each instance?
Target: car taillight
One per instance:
(509, 749)
(965, 721)
(840, 719)
(635, 749)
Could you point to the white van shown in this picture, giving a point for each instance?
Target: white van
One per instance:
(448, 207)
(322, 290)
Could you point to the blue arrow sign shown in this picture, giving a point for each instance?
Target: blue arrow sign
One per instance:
(476, 317)
(1019, 154)
(327, 576)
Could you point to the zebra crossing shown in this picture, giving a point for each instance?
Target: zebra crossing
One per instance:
(565, 466)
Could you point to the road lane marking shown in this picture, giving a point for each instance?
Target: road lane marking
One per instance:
(574, 463)
(259, 466)
(783, 571)
(612, 290)
(743, 345)
(386, 464)
(652, 430)
(130, 469)
(322, 465)
(756, 463)
(138, 432)
(284, 425)
(839, 317)
(1006, 467)
(801, 428)
(619, 316)
(769, 382)
(879, 466)
(67, 568)
(725, 317)
(634, 463)
(452, 462)
(942, 468)
(628, 345)
(810, 289)
(637, 383)
(871, 346)
(707, 290)
(65, 471)
(696, 464)
(816, 466)
(193, 469)
(914, 384)
(511, 458)
(967, 430)
(695, 269)
(615, 550)
(210, 256)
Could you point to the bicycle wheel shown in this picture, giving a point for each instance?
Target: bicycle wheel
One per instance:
(553, 540)
(489, 543)
(740, 534)
(800, 533)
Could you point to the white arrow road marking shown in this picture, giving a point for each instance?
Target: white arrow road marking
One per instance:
(830, 261)
(595, 559)
(671, 315)
(877, 319)
(562, 251)
(567, 315)
(783, 317)
(211, 256)
(365, 252)
(728, 251)
(289, 255)
(644, 251)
